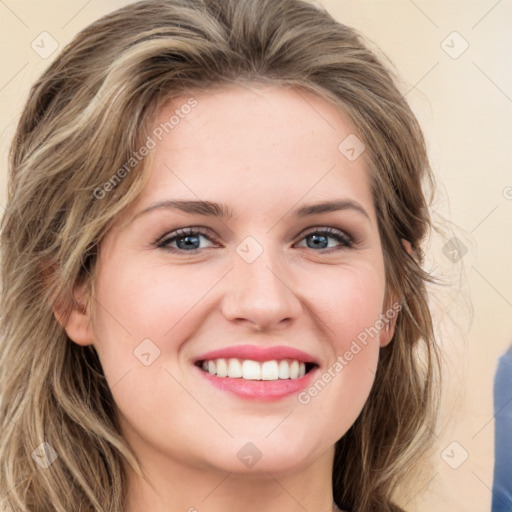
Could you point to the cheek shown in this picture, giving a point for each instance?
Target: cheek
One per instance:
(148, 302)
(349, 303)
(144, 313)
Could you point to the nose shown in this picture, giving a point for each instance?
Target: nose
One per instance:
(261, 294)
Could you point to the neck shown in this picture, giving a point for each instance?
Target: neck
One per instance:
(170, 486)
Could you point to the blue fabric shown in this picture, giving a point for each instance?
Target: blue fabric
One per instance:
(502, 485)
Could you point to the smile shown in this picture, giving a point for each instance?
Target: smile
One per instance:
(255, 372)
(249, 369)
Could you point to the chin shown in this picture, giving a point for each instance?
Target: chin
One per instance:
(257, 458)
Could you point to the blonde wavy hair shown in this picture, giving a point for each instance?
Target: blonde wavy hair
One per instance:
(85, 116)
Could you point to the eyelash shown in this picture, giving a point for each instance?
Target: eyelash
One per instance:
(162, 243)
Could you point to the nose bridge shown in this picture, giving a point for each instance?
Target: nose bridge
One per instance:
(261, 290)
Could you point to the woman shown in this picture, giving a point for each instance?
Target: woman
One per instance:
(212, 287)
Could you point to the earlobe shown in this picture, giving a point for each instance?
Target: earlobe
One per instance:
(407, 246)
(388, 317)
(391, 313)
(387, 332)
(75, 317)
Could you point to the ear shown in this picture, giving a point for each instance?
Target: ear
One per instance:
(389, 315)
(75, 316)
(407, 245)
(390, 312)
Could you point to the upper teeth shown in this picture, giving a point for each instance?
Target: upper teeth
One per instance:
(255, 370)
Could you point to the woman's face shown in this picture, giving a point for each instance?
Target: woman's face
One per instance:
(276, 281)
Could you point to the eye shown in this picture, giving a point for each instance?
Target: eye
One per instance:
(319, 239)
(187, 240)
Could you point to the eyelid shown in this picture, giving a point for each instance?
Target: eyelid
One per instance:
(188, 230)
(329, 230)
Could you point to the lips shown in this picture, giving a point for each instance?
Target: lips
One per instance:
(257, 353)
(258, 387)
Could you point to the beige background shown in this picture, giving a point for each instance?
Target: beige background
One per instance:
(465, 107)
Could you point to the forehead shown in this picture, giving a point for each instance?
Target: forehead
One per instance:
(252, 117)
(263, 143)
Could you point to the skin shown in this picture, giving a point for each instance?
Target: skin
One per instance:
(264, 151)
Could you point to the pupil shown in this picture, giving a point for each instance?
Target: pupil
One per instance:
(188, 242)
(316, 241)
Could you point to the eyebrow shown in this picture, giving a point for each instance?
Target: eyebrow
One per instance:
(211, 209)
